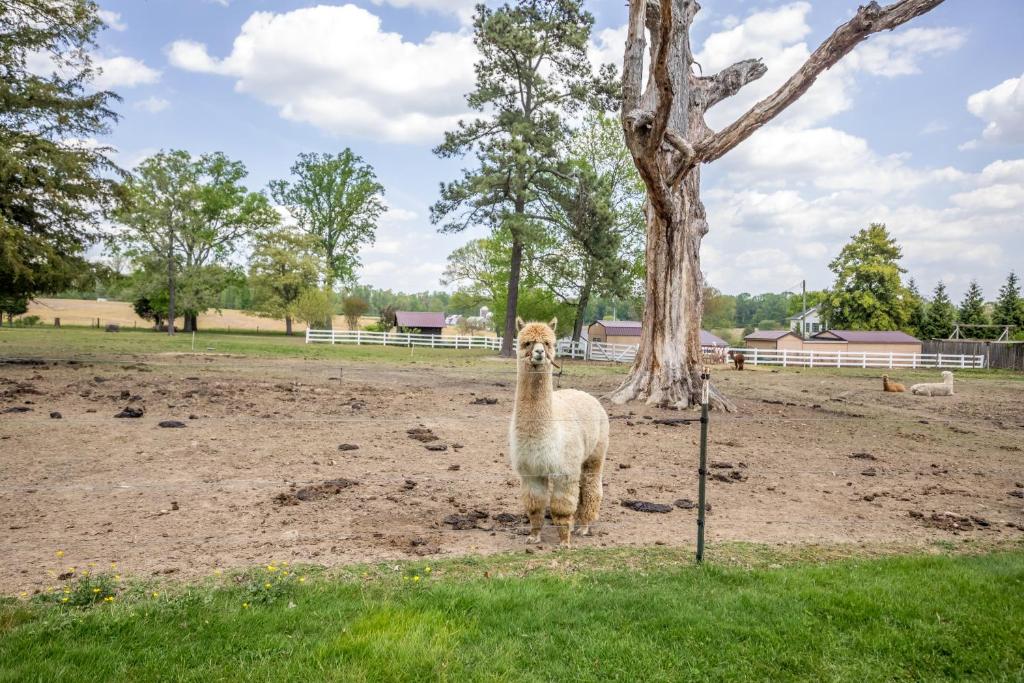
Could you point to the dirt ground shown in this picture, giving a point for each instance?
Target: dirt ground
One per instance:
(302, 461)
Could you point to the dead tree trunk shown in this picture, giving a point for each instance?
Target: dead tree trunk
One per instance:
(669, 139)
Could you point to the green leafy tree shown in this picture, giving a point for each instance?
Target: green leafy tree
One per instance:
(186, 215)
(719, 309)
(972, 311)
(354, 308)
(532, 75)
(868, 293)
(11, 306)
(939, 321)
(596, 247)
(55, 183)
(282, 267)
(918, 309)
(315, 308)
(1009, 308)
(337, 201)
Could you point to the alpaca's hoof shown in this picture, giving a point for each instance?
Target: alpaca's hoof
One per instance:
(583, 530)
(533, 538)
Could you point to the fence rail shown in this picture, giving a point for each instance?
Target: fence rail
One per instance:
(858, 359)
(431, 341)
(1002, 355)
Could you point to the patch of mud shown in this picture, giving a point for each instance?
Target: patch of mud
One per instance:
(331, 487)
(646, 506)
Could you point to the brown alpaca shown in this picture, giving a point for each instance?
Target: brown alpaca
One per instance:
(737, 359)
(558, 440)
(894, 387)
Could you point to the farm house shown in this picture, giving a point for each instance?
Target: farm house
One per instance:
(627, 332)
(868, 341)
(421, 321)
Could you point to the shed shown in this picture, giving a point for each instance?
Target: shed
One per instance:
(615, 332)
(708, 340)
(774, 339)
(419, 321)
(872, 341)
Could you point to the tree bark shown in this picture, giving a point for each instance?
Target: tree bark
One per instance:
(512, 300)
(669, 139)
(288, 325)
(170, 284)
(581, 309)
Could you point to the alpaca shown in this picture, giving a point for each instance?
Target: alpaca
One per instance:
(737, 359)
(892, 387)
(558, 439)
(943, 388)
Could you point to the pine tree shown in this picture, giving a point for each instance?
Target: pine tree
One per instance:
(941, 315)
(53, 188)
(972, 312)
(1009, 309)
(918, 310)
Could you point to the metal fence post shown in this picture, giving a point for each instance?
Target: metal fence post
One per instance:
(703, 469)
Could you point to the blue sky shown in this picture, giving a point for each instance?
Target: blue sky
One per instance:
(922, 128)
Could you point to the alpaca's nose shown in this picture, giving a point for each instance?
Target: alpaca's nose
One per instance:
(538, 354)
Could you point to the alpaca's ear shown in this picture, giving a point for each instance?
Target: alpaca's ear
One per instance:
(553, 324)
(519, 323)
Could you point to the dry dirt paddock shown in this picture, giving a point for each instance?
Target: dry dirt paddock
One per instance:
(810, 457)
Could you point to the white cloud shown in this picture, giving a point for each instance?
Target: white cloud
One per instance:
(152, 104)
(1002, 108)
(123, 72)
(112, 19)
(899, 54)
(334, 67)
(463, 9)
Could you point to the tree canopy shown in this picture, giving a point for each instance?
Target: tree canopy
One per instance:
(56, 182)
(868, 293)
(941, 316)
(282, 267)
(1009, 308)
(336, 199)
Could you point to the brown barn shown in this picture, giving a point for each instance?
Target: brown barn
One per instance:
(421, 322)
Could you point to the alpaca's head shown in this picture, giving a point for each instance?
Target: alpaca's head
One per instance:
(947, 376)
(885, 378)
(536, 342)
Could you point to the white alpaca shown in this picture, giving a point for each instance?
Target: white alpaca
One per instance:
(943, 388)
(558, 440)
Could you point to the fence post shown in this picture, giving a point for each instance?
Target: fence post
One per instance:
(702, 471)
(755, 355)
(785, 357)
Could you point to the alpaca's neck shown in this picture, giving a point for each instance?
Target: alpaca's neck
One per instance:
(533, 410)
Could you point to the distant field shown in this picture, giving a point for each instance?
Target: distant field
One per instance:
(86, 311)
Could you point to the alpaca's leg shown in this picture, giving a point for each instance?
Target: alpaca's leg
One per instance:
(565, 495)
(591, 490)
(535, 497)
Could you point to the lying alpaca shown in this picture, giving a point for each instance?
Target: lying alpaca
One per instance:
(943, 388)
(737, 359)
(893, 387)
(558, 439)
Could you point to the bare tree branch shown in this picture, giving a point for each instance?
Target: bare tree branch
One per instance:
(662, 77)
(713, 89)
(633, 65)
(869, 19)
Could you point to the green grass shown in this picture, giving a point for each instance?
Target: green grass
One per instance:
(560, 617)
(89, 343)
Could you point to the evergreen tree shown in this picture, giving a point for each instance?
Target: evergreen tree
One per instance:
(54, 189)
(868, 293)
(941, 315)
(972, 312)
(1009, 309)
(533, 74)
(918, 310)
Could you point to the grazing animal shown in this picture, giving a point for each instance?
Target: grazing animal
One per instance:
(893, 387)
(558, 439)
(737, 359)
(943, 388)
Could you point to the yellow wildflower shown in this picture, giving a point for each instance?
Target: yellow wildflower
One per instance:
(427, 570)
(109, 598)
(92, 564)
(113, 565)
(64, 599)
(245, 605)
(60, 553)
(302, 579)
(23, 594)
(156, 594)
(218, 572)
(95, 590)
(416, 578)
(266, 585)
(271, 568)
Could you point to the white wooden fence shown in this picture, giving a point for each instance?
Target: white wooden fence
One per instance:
(626, 353)
(431, 341)
(857, 359)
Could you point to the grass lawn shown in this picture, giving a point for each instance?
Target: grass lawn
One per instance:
(597, 615)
